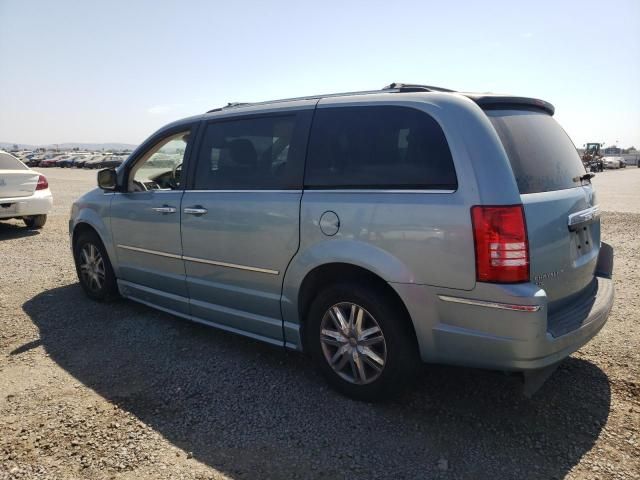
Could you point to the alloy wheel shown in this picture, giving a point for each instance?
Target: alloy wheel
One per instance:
(353, 343)
(92, 267)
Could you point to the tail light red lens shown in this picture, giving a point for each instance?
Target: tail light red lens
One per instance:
(42, 183)
(502, 248)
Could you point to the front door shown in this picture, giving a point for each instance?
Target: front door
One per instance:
(145, 223)
(240, 220)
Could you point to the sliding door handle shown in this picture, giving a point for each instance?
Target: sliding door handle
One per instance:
(165, 209)
(195, 211)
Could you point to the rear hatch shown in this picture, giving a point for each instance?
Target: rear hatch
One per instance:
(16, 180)
(561, 213)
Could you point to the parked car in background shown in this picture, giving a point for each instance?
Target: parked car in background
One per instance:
(79, 163)
(24, 193)
(60, 160)
(52, 162)
(403, 225)
(94, 162)
(63, 162)
(34, 160)
(70, 161)
(111, 161)
(46, 162)
(91, 158)
(613, 162)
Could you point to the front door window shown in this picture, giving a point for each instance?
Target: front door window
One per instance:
(161, 167)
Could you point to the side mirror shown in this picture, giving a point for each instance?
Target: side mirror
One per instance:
(108, 179)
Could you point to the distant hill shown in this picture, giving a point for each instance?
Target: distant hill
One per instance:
(69, 146)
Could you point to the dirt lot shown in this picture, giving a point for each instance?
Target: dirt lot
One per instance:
(122, 391)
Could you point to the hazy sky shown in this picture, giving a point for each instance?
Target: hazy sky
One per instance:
(114, 71)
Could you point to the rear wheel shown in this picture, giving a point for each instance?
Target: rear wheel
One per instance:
(360, 339)
(35, 221)
(93, 267)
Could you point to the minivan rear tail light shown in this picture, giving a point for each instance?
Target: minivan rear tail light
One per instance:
(502, 248)
(42, 183)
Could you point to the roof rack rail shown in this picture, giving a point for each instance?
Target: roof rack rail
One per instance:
(235, 104)
(391, 88)
(413, 87)
(229, 105)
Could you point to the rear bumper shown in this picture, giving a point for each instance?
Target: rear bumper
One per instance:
(39, 203)
(484, 336)
(586, 318)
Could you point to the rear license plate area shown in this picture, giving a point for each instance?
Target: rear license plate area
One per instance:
(8, 208)
(581, 241)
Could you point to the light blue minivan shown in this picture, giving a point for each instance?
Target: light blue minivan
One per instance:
(374, 230)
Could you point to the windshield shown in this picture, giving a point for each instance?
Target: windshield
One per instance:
(542, 156)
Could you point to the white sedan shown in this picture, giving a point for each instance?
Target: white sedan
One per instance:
(24, 193)
(613, 162)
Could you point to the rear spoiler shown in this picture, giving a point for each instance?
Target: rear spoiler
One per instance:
(505, 102)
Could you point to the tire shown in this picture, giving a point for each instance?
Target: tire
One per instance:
(35, 221)
(93, 267)
(398, 348)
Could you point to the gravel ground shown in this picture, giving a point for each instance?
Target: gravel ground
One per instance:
(121, 391)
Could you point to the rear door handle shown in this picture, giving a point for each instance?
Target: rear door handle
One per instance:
(195, 211)
(165, 209)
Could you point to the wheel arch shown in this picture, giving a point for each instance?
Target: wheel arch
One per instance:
(326, 274)
(84, 224)
(80, 228)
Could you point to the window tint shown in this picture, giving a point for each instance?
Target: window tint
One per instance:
(251, 153)
(9, 162)
(542, 156)
(378, 147)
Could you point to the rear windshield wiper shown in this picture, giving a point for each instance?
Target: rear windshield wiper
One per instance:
(585, 177)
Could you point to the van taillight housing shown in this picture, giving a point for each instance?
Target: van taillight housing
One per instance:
(502, 248)
(42, 183)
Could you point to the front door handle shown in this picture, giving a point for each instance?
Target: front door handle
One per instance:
(195, 210)
(165, 209)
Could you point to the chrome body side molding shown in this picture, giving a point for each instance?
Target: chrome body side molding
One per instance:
(200, 260)
(482, 303)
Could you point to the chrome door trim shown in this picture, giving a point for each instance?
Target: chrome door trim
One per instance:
(499, 306)
(231, 265)
(243, 191)
(150, 252)
(307, 190)
(200, 260)
(157, 190)
(374, 190)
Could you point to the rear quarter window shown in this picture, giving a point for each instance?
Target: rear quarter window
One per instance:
(542, 156)
(378, 147)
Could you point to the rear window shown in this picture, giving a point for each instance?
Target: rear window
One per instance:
(542, 156)
(9, 162)
(378, 147)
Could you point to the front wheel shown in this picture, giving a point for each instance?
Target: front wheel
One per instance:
(360, 338)
(35, 221)
(94, 268)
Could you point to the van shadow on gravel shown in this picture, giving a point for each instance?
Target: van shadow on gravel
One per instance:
(251, 410)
